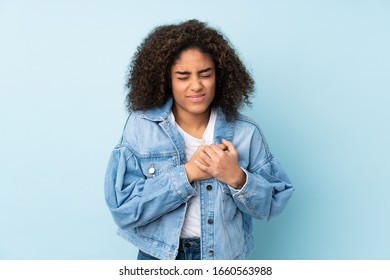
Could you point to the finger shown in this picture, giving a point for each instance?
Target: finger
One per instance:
(201, 166)
(198, 156)
(216, 149)
(205, 158)
(197, 153)
(229, 145)
(222, 146)
(201, 148)
(211, 153)
(201, 160)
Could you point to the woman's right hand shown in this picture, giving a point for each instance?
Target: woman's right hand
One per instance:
(193, 171)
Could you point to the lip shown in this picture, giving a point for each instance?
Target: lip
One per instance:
(197, 97)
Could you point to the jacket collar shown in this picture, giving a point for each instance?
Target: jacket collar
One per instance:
(223, 128)
(160, 113)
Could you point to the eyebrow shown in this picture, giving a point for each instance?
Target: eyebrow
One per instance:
(188, 73)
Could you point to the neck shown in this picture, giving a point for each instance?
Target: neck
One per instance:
(194, 125)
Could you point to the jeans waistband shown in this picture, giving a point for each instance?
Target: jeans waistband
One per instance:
(186, 243)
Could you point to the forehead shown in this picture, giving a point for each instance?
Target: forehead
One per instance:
(193, 58)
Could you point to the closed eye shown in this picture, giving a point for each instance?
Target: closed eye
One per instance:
(182, 78)
(206, 73)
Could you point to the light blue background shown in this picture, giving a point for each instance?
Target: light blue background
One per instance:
(322, 74)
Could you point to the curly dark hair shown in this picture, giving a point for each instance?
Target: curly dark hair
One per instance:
(149, 80)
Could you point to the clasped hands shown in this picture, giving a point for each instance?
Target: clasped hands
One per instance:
(218, 161)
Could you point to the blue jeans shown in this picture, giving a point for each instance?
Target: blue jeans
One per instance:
(189, 249)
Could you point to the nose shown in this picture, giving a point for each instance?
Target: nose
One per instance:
(196, 85)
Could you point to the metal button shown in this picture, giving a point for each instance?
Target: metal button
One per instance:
(211, 252)
(151, 169)
(210, 221)
(209, 187)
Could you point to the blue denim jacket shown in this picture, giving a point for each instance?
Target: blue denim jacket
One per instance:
(147, 190)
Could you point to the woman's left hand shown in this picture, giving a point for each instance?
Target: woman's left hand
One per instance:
(223, 164)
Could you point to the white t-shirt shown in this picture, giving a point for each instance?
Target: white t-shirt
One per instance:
(192, 227)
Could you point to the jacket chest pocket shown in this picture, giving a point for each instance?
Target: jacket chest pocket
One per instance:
(152, 166)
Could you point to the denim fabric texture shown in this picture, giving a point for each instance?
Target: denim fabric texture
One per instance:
(189, 249)
(142, 256)
(146, 187)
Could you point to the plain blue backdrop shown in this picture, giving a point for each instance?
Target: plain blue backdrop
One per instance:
(322, 72)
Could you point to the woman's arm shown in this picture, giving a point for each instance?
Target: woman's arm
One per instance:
(135, 200)
(266, 191)
(263, 190)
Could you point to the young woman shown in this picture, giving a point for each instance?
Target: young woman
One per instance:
(190, 171)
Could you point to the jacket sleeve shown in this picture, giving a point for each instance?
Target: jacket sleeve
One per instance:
(135, 200)
(268, 188)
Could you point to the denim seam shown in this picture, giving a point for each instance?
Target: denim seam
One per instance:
(248, 120)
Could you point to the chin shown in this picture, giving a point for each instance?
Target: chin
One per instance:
(198, 110)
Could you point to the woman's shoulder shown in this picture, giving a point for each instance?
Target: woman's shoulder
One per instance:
(246, 127)
(245, 122)
(136, 119)
(134, 129)
(142, 127)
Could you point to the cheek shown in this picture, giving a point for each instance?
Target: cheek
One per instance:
(210, 84)
(177, 89)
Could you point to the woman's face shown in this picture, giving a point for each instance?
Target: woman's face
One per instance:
(193, 82)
